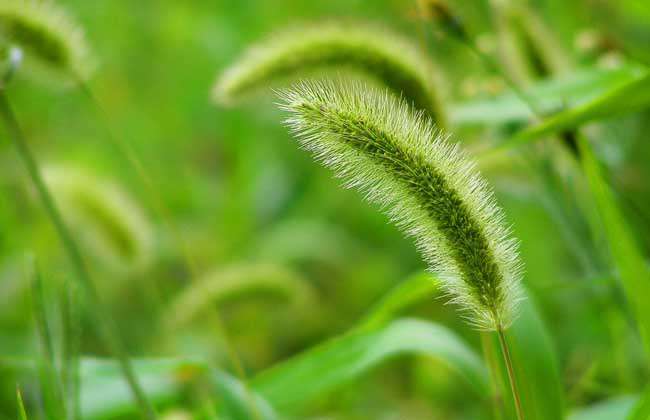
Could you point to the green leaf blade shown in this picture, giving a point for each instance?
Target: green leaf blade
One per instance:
(339, 361)
(626, 256)
(549, 95)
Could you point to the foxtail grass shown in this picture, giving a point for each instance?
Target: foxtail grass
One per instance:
(54, 45)
(236, 281)
(425, 183)
(387, 57)
(104, 216)
(427, 186)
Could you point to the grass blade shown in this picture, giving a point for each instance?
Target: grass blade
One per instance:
(50, 382)
(536, 366)
(549, 95)
(235, 399)
(641, 409)
(631, 97)
(613, 409)
(297, 381)
(105, 394)
(70, 352)
(414, 289)
(21, 405)
(626, 256)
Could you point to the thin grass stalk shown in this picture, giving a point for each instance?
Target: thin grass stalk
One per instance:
(496, 400)
(136, 163)
(426, 186)
(505, 350)
(51, 386)
(70, 351)
(452, 25)
(164, 214)
(21, 405)
(81, 270)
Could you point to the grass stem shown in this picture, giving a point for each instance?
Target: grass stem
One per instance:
(123, 147)
(72, 249)
(496, 400)
(505, 350)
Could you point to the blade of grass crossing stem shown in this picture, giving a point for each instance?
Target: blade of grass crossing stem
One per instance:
(629, 98)
(22, 414)
(50, 382)
(626, 256)
(71, 248)
(335, 363)
(535, 360)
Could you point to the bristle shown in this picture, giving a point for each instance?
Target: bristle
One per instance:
(425, 183)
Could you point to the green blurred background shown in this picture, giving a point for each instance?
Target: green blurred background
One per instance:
(239, 191)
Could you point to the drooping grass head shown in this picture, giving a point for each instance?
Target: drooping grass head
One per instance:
(54, 46)
(426, 184)
(109, 222)
(371, 51)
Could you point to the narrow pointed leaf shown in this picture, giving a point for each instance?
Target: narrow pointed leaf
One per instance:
(105, 394)
(532, 347)
(626, 257)
(548, 95)
(612, 409)
(329, 366)
(629, 98)
(416, 288)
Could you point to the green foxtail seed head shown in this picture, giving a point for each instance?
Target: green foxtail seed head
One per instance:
(426, 184)
(368, 50)
(107, 220)
(53, 44)
(240, 281)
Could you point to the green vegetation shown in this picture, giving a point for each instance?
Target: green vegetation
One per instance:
(168, 251)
